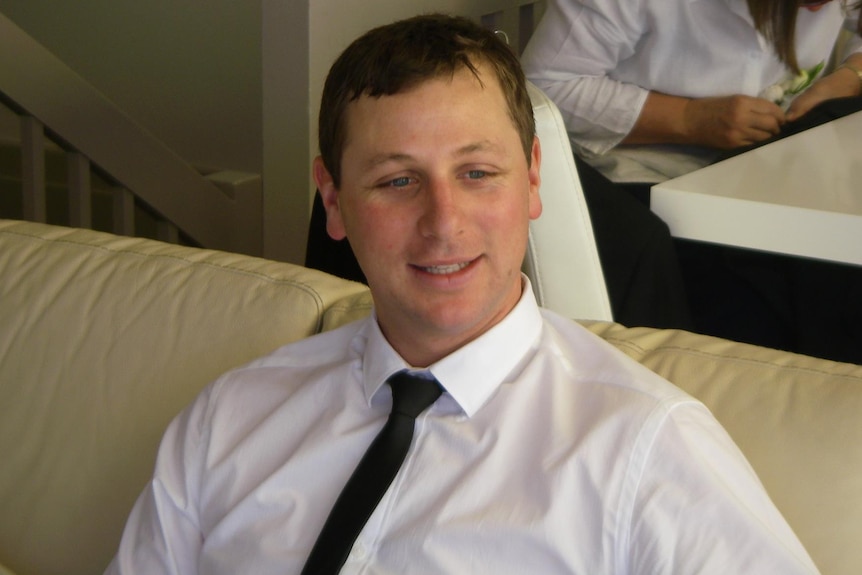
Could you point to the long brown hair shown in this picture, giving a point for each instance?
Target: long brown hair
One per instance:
(776, 20)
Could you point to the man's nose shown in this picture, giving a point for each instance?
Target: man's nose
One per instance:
(441, 215)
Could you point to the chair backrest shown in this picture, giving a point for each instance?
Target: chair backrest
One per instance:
(562, 260)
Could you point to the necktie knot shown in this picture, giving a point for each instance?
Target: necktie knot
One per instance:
(412, 394)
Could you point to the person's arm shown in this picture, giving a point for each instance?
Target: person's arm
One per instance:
(162, 533)
(842, 82)
(569, 56)
(699, 507)
(721, 122)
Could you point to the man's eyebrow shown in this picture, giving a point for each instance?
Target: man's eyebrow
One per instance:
(480, 146)
(384, 158)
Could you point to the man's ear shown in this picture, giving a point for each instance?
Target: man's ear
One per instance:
(329, 195)
(535, 177)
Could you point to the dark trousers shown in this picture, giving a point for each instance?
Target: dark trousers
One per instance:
(639, 261)
(796, 304)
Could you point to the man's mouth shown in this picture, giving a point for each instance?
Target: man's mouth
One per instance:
(447, 269)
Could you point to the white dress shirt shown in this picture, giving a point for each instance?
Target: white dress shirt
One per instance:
(598, 59)
(550, 452)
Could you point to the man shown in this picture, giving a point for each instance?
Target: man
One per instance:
(548, 452)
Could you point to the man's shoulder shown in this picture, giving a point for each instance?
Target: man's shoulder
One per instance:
(294, 365)
(596, 362)
(332, 346)
(322, 362)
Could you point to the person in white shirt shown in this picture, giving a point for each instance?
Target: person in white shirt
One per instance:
(548, 452)
(653, 89)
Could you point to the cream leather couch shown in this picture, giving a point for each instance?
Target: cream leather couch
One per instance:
(103, 339)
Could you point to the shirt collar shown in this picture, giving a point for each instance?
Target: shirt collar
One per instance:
(471, 374)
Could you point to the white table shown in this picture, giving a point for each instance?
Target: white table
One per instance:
(801, 195)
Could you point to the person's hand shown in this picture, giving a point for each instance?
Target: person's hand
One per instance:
(731, 121)
(840, 83)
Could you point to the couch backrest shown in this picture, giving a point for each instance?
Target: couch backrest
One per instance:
(103, 339)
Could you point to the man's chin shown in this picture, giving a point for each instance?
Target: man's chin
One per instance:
(464, 319)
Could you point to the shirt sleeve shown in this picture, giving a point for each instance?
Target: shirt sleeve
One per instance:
(162, 534)
(700, 508)
(571, 57)
(853, 43)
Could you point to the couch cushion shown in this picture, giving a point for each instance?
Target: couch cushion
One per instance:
(798, 420)
(102, 340)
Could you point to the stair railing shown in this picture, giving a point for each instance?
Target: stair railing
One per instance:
(219, 211)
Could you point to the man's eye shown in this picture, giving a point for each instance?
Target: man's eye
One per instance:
(401, 182)
(476, 174)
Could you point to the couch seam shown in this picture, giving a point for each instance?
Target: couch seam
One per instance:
(725, 357)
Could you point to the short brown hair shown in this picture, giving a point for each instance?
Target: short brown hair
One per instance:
(398, 56)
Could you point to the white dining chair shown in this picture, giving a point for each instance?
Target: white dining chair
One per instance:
(562, 260)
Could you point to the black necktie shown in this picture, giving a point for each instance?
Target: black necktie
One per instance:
(411, 395)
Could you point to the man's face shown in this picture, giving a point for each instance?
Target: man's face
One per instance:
(436, 199)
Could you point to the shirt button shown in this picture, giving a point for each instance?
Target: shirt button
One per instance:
(359, 552)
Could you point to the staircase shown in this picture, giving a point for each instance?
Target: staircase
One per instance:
(80, 161)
